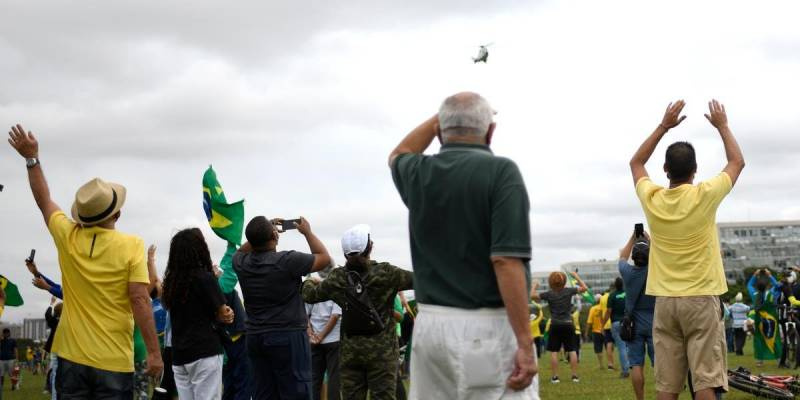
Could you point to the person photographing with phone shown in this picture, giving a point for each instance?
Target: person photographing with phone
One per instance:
(277, 342)
(639, 307)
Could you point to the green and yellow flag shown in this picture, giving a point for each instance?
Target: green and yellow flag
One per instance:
(227, 220)
(13, 298)
(587, 296)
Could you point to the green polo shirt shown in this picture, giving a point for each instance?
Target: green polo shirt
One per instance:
(465, 205)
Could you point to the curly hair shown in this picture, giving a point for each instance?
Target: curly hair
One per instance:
(188, 257)
(557, 280)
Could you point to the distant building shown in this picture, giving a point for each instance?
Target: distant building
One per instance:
(16, 330)
(597, 274)
(541, 278)
(34, 329)
(773, 244)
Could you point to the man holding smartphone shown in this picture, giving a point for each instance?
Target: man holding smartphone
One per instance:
(685, 271)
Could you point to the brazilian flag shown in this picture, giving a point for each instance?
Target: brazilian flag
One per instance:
(587, 296)
(13, 298)
(227, 220)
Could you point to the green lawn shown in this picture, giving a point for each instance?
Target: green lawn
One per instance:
(30, 388)
(596, 384)
(602, 384)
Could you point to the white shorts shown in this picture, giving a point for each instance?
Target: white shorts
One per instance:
(464, 354)
(199, 380)
(7, 367)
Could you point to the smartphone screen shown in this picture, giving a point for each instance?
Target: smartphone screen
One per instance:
(638, 230)
(290, 224)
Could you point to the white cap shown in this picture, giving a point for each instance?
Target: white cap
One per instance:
(738, 298)
(792, 277)
(356, 239)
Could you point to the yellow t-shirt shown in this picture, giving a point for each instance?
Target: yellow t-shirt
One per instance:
(685, 256)
(535, 331)
(595, 318)
(2, 307)
(603, 309)
(576, 316)
(29, 354)
(96, 327)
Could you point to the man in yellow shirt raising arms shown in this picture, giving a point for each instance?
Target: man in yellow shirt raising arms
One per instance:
(685, 269)
(105, 286)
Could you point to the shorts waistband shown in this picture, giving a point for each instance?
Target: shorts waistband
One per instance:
(443, 311)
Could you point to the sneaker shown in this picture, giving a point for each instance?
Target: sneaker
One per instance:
(624, 375)
(575, 378)
(610, 367)
(554, 379)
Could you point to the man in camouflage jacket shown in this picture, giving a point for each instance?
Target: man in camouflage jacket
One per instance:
(366, 362)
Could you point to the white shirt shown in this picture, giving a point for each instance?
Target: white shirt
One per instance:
(320, 314)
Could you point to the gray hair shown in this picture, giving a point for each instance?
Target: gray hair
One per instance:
(465, 114)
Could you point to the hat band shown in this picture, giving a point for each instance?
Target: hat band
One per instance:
(103, 214)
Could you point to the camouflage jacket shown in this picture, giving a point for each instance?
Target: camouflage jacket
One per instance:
(382, 281)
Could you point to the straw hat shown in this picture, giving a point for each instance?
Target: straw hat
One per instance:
(97, 201)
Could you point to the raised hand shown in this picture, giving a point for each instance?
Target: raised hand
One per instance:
(40, 283)
(303, 226)
(24, 143)
(151, 252)
(672, 116)
(32, 268)
(716, 114)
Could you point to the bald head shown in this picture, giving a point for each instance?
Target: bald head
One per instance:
(465, 114)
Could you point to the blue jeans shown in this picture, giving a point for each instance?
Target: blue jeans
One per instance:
(729, 339)
(622, 347)
(281, 365)
(643, 340)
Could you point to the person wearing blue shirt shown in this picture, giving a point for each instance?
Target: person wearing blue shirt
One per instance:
(639, 305)
(43, 282)
(739, 312)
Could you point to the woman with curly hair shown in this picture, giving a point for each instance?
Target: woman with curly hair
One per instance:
(195, 302)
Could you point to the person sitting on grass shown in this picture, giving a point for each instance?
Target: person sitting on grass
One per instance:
(562, 329)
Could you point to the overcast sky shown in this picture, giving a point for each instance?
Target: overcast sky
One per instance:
(297, 107)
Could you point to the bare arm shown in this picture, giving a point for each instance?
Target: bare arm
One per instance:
(717, 117)
(670, 120)
(417, 140)
(321, 257)
(510, 273)
(27, 146)
(152, 273)
(143, 315)
(581, 286)
(535, 295)
(625, 253)
(328, 327)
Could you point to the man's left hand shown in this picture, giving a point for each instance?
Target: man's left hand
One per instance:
(525, 368)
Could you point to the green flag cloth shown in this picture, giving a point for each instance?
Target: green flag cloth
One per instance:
(13, 298)
(227, 220)
(587, 296)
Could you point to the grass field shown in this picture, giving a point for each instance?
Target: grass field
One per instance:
(602, 384)
(596, 384)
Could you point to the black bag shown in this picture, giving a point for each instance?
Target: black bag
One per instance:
(627, 328)
(359, 317)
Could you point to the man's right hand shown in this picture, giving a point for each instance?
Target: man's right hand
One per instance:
(672, 116)
(155, 365)
(716, 114)
(525, 368)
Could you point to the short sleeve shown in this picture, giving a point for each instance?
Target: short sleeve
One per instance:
(60, 226)
(211, 292)
(336, 310)
(299, 264)
(137, 271)
(571, 291)
(645, 188)
(402, 166)
(545, 296)
(510, 223)
(715, 189)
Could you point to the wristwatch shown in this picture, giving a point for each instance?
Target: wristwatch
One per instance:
(31, 162)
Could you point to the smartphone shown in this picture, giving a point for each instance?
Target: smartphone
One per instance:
(290, 224)
(33, 254)
(638, 230)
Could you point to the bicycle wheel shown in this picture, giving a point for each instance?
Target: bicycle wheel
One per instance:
(758, 388)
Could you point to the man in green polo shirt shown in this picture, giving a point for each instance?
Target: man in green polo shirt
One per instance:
(470, 247)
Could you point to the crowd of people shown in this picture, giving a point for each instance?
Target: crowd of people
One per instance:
(303, 326)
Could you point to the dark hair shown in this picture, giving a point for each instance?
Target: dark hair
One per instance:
(6, 330)
(188, 257)
(259, 231)
(680, 161)
(359, 261)
(618, 284)
(641, 253)
(761, 284)
(57, 309)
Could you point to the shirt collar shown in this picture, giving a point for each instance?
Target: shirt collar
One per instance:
(477, 148)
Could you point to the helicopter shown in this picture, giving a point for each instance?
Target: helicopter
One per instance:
(483, 54)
